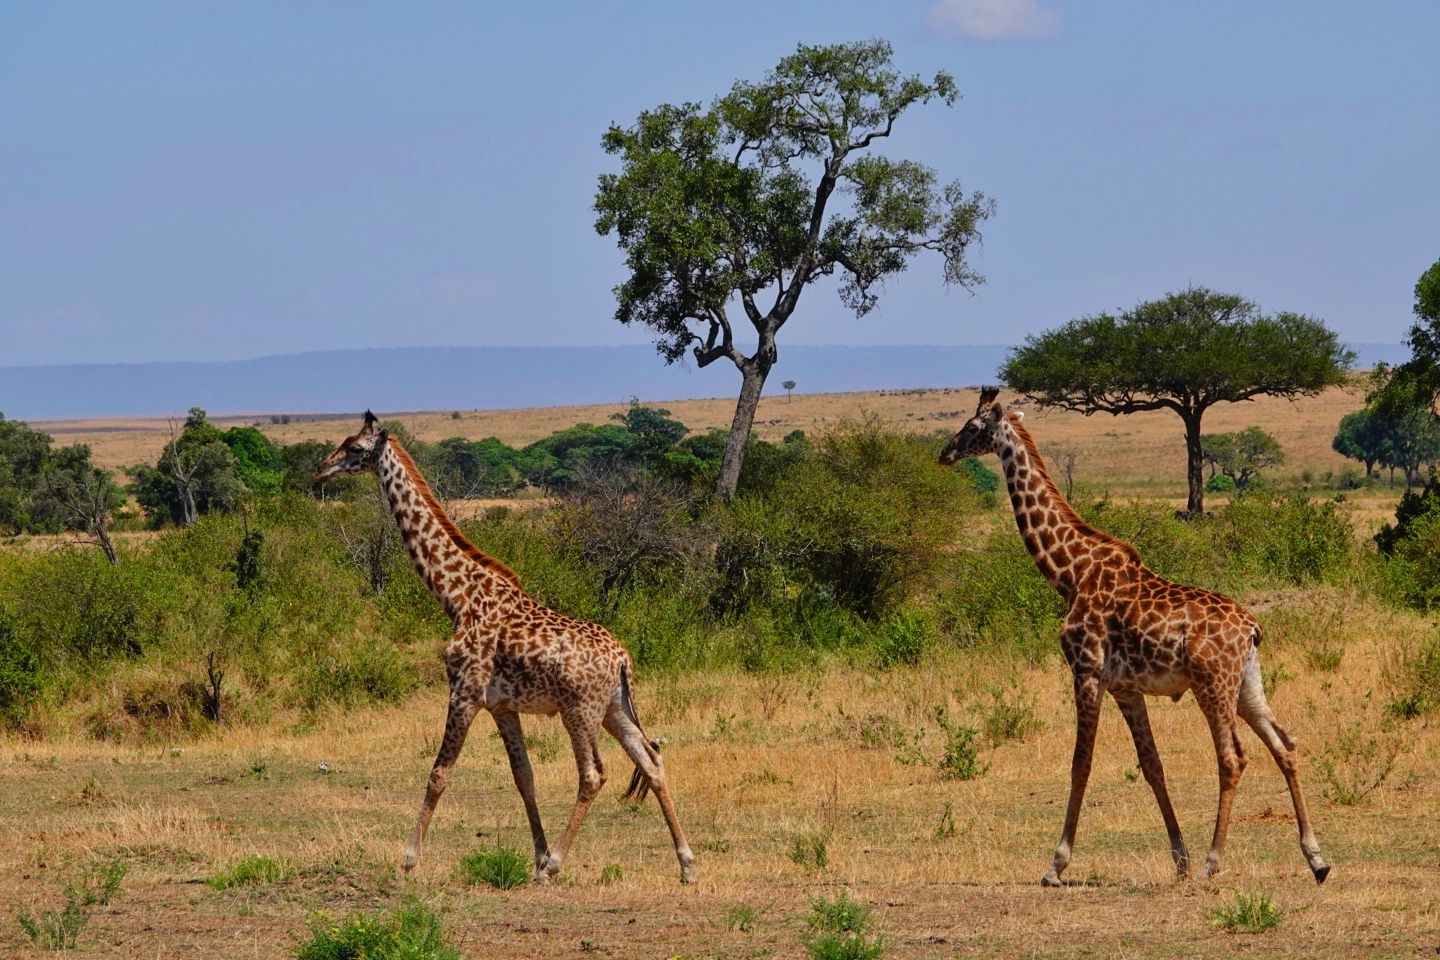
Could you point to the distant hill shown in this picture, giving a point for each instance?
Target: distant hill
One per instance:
(469, 378)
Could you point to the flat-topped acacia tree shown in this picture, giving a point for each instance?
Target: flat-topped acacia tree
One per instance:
(1184, 352)
(740, 207)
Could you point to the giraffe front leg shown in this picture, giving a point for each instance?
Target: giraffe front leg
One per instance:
(457, 723)
(514, 737)
(1132, 707)
(1088, 695)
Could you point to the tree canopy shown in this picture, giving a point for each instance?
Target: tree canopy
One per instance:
(720, 209)
(1415, 384)
(1185, 352)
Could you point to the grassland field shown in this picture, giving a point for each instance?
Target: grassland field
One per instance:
(838, 754)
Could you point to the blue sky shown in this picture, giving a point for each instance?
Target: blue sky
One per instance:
(226, 180)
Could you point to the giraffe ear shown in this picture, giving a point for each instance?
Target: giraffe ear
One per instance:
(1019, 414)
(384, 437)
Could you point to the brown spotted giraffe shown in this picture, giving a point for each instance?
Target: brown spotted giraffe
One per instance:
(1133, 633)
(510, 655)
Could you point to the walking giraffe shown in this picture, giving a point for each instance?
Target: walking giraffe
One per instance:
(1133, 633)
(510, 655)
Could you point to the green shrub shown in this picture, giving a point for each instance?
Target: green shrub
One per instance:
(1249, 913)
(253, 871)
(1419, 679)
(1011, 715)
(961, 760)
(363, 672)
(811, 851)
(994, 598)
(610, 874)
(839, 930)
(1219, 484)
(413, 932)
(501, 867)
(901, 639)
(55, 929)
(1288, 539)
(20, 679)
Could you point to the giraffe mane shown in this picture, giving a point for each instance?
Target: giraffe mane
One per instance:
(1067, 512)
(446, 524)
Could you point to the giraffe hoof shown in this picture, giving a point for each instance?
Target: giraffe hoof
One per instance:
(1051, 879)
(1321, 872)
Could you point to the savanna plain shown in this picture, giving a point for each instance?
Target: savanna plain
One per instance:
(927, 786)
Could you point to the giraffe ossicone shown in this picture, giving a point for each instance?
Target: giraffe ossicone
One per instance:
(1131, 633)
(510, 655)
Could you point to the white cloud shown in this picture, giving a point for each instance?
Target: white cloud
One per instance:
(991, 20)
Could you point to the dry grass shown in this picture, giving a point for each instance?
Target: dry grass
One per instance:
(755, 762)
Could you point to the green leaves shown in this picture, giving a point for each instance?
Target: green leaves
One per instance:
(1187, 351)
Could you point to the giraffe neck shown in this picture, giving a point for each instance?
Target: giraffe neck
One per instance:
(454, 569)
(1058, 540)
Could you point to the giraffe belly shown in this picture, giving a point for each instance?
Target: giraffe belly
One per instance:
(1122, 677)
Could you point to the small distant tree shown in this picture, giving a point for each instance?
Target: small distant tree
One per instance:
(1365, 436)
(717, 208)
(1413, 443)
(789, 385)
(1241, 456)
(1185, 352)
(82, 496)
(194, 474)
(655, 432)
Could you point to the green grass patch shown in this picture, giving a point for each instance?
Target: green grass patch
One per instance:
(1249, 913)
(253, 871)
(501, 867)
(413, 932)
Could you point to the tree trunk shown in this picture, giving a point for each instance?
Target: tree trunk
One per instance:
(754, 371)
(106, 544)
(1194, 465)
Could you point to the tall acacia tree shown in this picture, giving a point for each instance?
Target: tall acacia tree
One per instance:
(770, 189)
(1184, 352)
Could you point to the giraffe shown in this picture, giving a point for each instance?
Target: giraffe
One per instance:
(1132, 633)
(510, 655)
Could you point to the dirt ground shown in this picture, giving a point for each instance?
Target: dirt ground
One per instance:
(949, 867)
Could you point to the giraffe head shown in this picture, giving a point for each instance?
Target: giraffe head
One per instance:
(981, 433)
(357, 454)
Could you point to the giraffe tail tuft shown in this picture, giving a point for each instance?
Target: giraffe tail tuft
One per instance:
(639, 787)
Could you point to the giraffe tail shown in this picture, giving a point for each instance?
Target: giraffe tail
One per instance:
(639, 787)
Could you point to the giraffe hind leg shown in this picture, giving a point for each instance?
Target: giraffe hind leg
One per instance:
(1230, 760)
(583, 728)
(650, 775)
(1255, 710)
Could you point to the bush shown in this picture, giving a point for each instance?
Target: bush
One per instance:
(1250, 913)
(501, 867)
(1219, 484)
(839, 930)
(962, 750)
(995, 599)
(413, 932)
(1288, 539)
